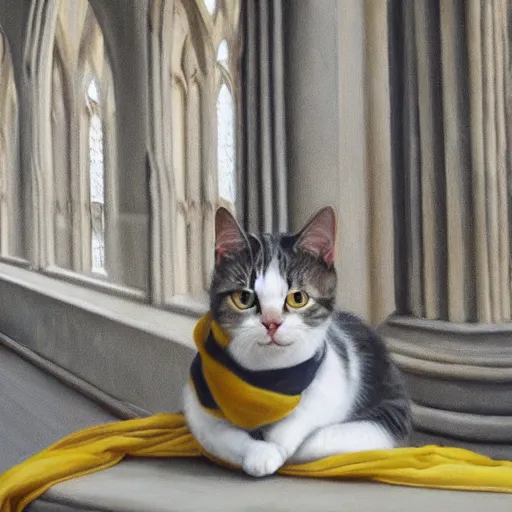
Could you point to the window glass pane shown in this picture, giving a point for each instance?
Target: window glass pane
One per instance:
(210, 5)
(92, 92)
(97, 190)
(223, 53)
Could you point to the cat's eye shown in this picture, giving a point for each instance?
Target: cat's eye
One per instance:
(297, 299)
(243, 299)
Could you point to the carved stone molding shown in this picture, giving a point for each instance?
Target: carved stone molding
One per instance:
(459, 377)
(486, 345)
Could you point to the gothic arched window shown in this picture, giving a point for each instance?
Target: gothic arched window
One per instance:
(82, 110)
(200, 106)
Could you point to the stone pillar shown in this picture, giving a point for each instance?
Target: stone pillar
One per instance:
(451, 125)
(338, 140)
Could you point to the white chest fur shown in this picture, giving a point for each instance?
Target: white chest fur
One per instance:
(329, 399)
(331, 395)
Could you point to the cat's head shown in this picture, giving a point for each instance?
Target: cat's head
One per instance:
(274, 294)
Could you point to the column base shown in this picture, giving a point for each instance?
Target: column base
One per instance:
(460, 380)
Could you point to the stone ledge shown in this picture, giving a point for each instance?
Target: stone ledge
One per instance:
(193, 485)
(131, 351)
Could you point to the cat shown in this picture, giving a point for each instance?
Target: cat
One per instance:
(274, 296)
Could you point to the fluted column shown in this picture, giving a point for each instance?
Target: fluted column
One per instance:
(452, 167)
(451, 131)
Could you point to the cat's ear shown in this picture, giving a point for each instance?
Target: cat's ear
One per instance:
(318, 236)
(229, 236)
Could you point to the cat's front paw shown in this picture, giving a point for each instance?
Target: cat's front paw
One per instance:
(263, 459)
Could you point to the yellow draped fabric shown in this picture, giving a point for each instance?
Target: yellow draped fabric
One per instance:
(166, 435)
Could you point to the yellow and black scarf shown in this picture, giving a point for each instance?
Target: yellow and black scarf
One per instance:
(249, 399)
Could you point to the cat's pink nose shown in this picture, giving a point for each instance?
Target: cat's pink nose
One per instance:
(272, 327)
(271, 320)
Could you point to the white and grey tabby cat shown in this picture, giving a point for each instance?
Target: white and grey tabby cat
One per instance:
(274, 295)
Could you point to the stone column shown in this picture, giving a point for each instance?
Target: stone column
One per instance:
(451, 125)
(338, 139)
